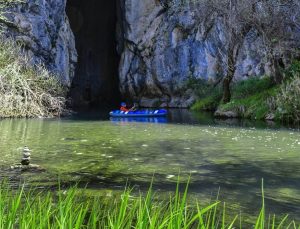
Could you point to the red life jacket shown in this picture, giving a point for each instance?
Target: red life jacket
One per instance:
(124, 109)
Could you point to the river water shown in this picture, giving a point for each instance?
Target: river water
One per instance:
(231, 157)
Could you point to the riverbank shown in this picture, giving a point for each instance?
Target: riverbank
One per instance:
(257, 98)
(71, 208)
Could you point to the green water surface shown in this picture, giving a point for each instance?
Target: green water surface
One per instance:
(107, 155)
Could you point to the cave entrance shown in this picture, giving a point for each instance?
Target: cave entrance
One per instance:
(94, 25)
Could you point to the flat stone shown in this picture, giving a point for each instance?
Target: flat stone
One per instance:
(25, 162)
(32, 167)
(26, 155)
(270, 116)
(226, 114)
(26, 149)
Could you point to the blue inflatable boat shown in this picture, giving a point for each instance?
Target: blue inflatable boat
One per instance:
(139, 113)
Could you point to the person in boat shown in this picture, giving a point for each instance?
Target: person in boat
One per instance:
(126, 109)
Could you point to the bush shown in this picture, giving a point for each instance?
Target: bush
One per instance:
(288, 102)
(25, 90)
(244, 93)
(209, 103)
(255, 106)
(200, 86)
(257, 98)
(251, 98)
(251, 86)
(293, 70)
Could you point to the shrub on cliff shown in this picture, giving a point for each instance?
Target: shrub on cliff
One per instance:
(26, 90)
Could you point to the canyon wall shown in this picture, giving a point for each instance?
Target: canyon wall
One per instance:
(143, 51)
(167, 45)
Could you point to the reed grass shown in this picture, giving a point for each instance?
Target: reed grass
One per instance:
(70, 209)
(26, 90)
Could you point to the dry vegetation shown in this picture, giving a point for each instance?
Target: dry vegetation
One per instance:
(25, 90)
(287, 101)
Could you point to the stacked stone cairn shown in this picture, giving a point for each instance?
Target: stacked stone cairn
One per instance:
(25, 164)
(26, 156)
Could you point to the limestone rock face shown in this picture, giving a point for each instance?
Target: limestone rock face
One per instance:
(161, 48)
(166, 46)
(43, 28)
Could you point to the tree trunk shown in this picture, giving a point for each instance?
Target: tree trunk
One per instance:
(226, 90)
(229, 76)
(235, 44)
(278, 77)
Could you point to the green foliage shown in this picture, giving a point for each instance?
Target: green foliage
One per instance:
(287, 103)
(250, 87)
(25, 90)
(200, 86)
(256, 98)
(292, 71)
(209, 103)
(255, 106)
(248, 98)
(208, 94)
(287, 100)
(70, 209)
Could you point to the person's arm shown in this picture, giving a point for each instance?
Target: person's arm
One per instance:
(133, 108)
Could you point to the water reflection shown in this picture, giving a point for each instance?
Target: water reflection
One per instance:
(140, 119)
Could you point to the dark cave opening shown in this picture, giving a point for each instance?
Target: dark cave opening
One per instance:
(96, 79)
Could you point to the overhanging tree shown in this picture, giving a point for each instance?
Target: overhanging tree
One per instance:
(276, 22)
(236, 18)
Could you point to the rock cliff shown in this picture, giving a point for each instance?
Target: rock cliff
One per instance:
(165, 45)
(161, 47)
